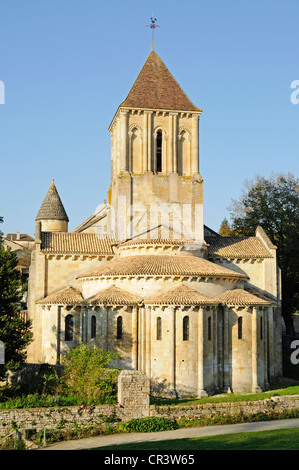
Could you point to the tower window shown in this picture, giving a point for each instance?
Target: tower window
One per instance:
(93, 326)
(159, 328)
(186, 328)
(240, 327)
(159, 151)
(119, 328)
(69, 328)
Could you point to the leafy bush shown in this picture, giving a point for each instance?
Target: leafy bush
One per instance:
(148, 424)
(88, 374)
(36, 400)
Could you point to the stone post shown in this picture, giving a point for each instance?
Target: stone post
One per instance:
(123, 139)
(194, 149)
(270, 344)
(148, 340)
(254, 355)
(266, 349)
(172, 343)
(200, 359)
(173, 147)
(134, 338)
(215, 348)
(226, 347)
(133, 394)
(148, 140)
(58, 333)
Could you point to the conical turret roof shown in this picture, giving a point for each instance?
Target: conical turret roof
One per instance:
(52, 207)
(156, 88)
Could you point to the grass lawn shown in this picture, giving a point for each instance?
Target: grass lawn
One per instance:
(284, 439)
(228, 397)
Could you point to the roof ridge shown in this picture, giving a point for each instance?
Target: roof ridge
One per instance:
(66, 295)
(241, 297)
(180, 295)
(113, 294)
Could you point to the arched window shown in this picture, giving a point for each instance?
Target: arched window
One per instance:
(159, 152)
(209, 328)
(69, 328)
(93, 326)
(240, 327)
(186, 328)
(119, 328)
(159, 328)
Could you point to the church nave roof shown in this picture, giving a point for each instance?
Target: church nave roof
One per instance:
(162, 265)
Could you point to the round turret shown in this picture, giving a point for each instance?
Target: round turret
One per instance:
(52, 216)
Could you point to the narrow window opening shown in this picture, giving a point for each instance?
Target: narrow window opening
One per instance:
(93, 326)
(159, 151)
(159, 328)
(119, 328)
(262, 335)
(186, 328)
(69, 328)
(240, 327)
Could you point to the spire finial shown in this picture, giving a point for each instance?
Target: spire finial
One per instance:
(52, 184)
(153, 26)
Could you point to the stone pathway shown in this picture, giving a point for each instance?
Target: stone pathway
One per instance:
(116, 439)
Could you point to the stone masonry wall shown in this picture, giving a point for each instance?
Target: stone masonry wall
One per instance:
(134, 403)
(277, 404)
(133, 394)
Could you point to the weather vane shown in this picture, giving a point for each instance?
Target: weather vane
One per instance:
(153, 26)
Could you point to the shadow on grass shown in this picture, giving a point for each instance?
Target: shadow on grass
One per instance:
(285, 439)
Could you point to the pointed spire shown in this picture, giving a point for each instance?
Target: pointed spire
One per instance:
(52, 207)
(156, 88)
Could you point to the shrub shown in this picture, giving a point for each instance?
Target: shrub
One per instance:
(148, 424)
(88, 374)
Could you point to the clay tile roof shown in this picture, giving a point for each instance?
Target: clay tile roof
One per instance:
(22, 237)
(237, 247)
(162, 265)
(155, 241)
(180, 295)
(66, 296)
(242, 297)
(156, 88)
(76, 243)
(52, 207)
(113, 296)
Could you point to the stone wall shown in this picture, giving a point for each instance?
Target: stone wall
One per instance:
(134, 403)
(277, 404)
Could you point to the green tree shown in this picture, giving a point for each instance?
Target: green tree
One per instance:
(89, 374)
(14, 329)
(273, 204)
(225, 229)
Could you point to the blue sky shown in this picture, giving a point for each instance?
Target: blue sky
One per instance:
(68, 64)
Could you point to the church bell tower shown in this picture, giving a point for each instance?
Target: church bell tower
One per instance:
(155, 178)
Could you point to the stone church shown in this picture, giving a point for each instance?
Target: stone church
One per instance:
(196, 312)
